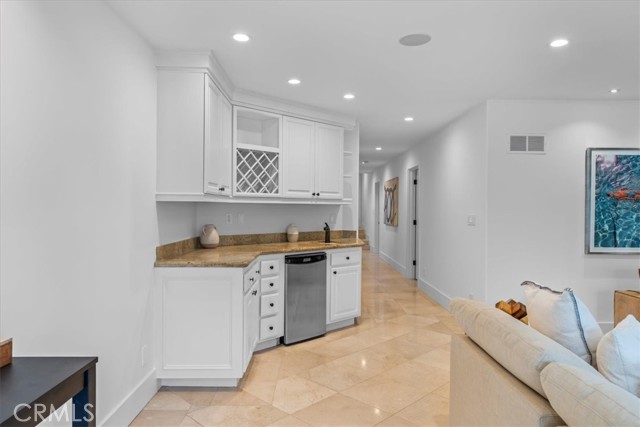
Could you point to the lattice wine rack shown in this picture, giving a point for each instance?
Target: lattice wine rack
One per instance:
(257, 172)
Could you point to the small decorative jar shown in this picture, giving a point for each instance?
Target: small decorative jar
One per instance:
(292, 233)
(209, 238)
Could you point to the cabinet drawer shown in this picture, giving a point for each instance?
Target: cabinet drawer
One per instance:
(269, 268)
(345, 258)
(271, 327)
(269, 304)
(270, 284)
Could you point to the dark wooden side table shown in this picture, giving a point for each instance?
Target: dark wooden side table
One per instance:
(31, 388)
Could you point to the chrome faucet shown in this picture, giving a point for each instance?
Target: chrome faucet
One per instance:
(327, 233)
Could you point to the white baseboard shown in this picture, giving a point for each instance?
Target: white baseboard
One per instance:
(434, 293)
(199, 382)
(392, 262)
(133, 403)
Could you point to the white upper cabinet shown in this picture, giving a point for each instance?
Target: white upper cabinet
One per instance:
(257, 155)
(217, 140)
(180, 133)
(312, 159)
(329, 161)
(299, 150)
(194, 136)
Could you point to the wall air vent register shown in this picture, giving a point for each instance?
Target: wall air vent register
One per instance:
(527, 144)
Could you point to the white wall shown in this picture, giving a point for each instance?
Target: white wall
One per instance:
(451, 185)
(536, 202)
(266, 218)
(78, 219)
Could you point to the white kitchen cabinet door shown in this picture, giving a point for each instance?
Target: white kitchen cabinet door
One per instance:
(251, 317)
(200, 323)
(217, 141)
(344, 293)
(329, 149)
(180, 133)
(298, 152)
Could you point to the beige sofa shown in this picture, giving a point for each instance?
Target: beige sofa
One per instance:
(504, 373)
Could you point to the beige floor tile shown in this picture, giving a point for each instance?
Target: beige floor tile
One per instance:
(295, 393)
(339, 348)
(385, 393)
(396, 421)
(415, 321)
(421, 377)
(261, 389)
(347, 371)
(169, 401)
(431, 410)
(296, 362)
(429, 337)
(289, 421)
(154, 418)
(439, 358)
(341, 411)
(443, 391)
(237, 416)
(189, 422)
(233, 397)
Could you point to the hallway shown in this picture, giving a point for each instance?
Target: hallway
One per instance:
(391, 369)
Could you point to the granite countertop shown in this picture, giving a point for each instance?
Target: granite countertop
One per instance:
(242, 255)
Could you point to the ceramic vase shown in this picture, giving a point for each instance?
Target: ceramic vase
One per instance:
(209, 238)
(292, 233)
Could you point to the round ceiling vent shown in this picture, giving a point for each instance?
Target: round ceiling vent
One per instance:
(415, 39)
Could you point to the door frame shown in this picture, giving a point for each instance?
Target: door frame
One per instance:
(376, 217)
(413, 231)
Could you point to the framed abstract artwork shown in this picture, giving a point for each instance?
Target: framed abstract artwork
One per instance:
(612, 201)
(391, 202)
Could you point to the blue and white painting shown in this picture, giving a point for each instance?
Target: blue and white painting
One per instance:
(613, 200)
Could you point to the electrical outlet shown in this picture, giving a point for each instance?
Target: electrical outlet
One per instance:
(143, 356)
(470, 296)
(471, 220)
(229, 219)
(241, 218)
(332, 219)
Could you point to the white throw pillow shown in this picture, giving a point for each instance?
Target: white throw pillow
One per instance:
(564, 318)
(619, 355)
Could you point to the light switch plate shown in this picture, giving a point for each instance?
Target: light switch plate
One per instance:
(471, 220)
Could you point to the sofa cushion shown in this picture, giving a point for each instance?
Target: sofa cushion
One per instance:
(619, 355)
(520, 349)
(564, 318)
(584, 398)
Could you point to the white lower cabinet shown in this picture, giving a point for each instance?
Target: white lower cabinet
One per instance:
(345, 286)
(211, 320)
(200, 318)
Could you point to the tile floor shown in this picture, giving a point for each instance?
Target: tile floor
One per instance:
(391, 369)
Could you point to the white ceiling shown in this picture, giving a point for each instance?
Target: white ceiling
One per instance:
(479, 50)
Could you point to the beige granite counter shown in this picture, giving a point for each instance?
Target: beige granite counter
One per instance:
(242, 255)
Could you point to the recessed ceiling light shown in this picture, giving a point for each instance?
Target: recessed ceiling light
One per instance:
(408, 119)
(364, 162)
(349, 96)
(614, 90)
(294, 82)
(241, 37)
(378, 148)
(559, 43)
(415, 39)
